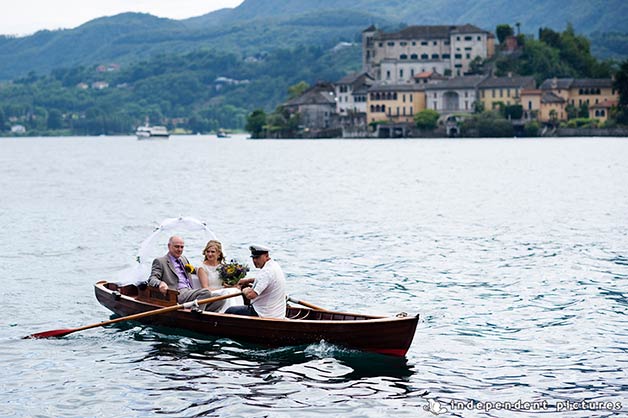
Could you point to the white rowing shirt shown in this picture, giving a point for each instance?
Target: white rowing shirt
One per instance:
(270, 286)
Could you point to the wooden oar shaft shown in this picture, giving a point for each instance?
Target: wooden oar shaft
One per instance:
(304, 303)
(62, 332)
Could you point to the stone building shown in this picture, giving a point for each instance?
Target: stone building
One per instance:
(449, 50)
(351, 93)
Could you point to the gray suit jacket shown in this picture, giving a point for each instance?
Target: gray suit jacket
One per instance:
(163, 271)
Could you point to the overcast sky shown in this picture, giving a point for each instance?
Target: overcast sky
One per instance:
(24, 17)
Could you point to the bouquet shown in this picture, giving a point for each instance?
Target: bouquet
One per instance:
(231, 272)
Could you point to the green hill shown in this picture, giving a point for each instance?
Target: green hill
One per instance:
(262, 25)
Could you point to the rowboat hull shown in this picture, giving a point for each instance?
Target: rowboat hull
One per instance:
(384, 335)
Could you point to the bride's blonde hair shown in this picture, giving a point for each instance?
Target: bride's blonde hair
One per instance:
(218, 245)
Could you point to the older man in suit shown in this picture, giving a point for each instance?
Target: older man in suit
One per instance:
(168, 272)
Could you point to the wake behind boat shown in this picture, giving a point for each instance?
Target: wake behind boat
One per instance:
(152, 132)
(384, 335)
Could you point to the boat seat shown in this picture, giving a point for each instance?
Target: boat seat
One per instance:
(153, 295)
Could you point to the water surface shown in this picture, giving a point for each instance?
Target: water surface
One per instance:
(514, 253)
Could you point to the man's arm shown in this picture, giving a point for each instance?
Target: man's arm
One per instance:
(156, 274)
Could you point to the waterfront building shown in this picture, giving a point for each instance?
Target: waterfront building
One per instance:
(449, 50)
(455, 95)
(601, 110)
(351, 93)
(506, 90)
(316, 107)
(394, 103)
(579, 91)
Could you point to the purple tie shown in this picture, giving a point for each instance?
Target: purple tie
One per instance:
(187, 282)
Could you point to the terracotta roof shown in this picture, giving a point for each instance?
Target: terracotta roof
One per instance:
(549, 97)
(606, 104)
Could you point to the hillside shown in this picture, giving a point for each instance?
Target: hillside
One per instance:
(262, 25)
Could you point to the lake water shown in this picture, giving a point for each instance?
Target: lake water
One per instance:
(513, 251)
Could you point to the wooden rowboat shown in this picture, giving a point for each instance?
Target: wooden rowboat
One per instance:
(384, 335)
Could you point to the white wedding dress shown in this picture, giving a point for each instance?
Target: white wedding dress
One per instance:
(215, 285)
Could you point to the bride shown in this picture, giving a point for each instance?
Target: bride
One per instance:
(209, 277)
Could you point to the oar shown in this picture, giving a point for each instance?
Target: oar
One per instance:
(309, 305)
(186, 305)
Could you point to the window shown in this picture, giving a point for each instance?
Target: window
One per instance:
(402, 43)
(434, 43)
(424, 56)
(411, 98)
(457, 38)
(388, 75)
(434, 56)
(413, 43)
(468, 38)
(446, 56)
(390, 43)
(403, 57)
(403, 98)
(468, 56)
(458, 56)
(414, 56)
(381, 44)
(423, 43)
(468, 48)
(479, 38)
(401, 73)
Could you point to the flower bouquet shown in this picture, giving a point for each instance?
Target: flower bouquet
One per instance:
(232, 272)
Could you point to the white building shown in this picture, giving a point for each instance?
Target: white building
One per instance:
(449, 50)
(351, 93)
(456, 95)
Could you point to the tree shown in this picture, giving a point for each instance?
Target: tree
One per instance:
(297, 89)
(621, 84)
(503, 31)
(3, 121)
(55, 119)
(255, 123)
(426, 119)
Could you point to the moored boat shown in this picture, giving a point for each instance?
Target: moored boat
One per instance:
(147, 132)
(384, 335)
(221, 133)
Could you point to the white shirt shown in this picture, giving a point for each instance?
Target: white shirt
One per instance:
(270, 286)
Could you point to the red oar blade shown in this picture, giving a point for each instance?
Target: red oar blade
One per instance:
(50, 334)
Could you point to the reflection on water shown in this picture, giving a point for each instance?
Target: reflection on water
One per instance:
(513, 252)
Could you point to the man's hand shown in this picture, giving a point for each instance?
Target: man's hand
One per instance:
(163, 288)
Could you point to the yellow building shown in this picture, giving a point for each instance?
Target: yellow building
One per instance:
(506, 90)
(601, 110)
(394, 103)
(575, 92)
(531, 103)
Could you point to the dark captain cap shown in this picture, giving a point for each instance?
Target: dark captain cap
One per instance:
(257, 250)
